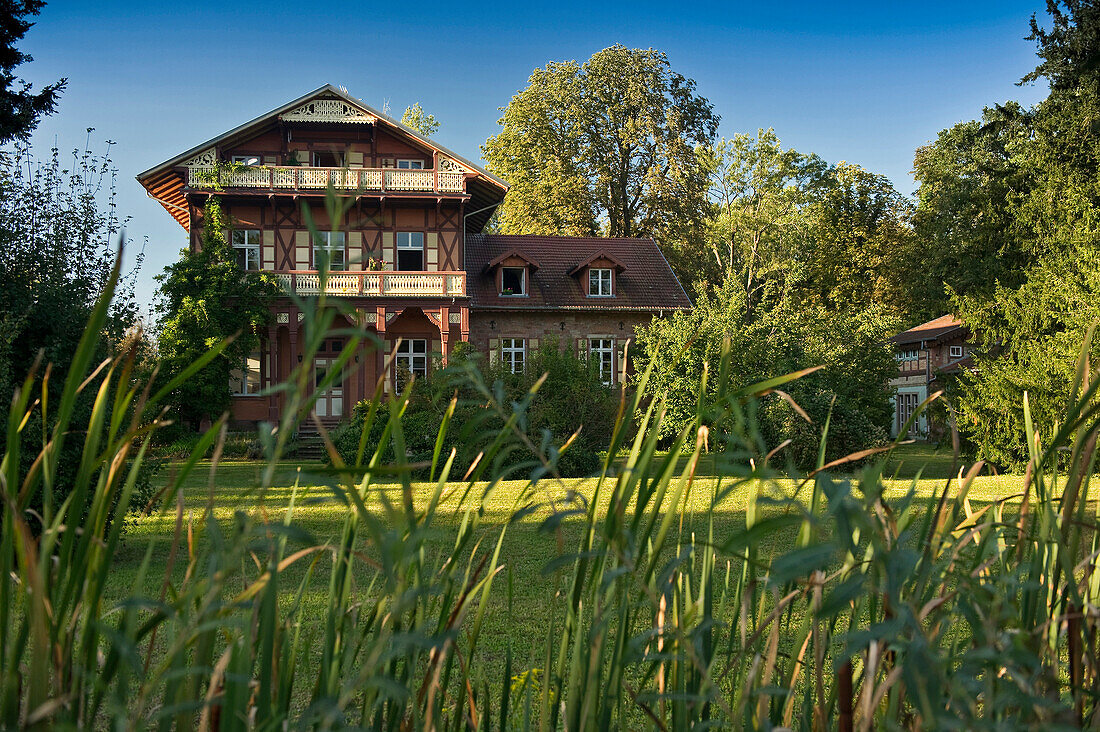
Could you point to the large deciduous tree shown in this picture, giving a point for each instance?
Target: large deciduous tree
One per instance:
(607, 147)
(206, 298)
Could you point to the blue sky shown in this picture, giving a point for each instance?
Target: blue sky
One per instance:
(865, 82)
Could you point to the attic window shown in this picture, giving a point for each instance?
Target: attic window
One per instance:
(956, 351)
(599, 282)
(513, 281)
(248, 160)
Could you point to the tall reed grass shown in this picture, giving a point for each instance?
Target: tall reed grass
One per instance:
(879, 612)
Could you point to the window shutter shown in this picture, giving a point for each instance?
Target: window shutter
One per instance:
(620, 359)
(435, 352)
(494, 351)
(268, 250)
(355, 159)
(582, 348)
(532, 345)
(301, 250)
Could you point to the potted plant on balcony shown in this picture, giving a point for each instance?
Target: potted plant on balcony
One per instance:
(292, 158)
(375, 265)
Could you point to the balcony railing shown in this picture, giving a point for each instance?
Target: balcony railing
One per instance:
(293, 178)
(377, 284)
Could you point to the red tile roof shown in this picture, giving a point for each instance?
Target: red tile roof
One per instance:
(935, 329)
(646, 282)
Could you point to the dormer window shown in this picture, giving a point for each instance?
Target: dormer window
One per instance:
(250, 161)
(599, 282)
(513, 281)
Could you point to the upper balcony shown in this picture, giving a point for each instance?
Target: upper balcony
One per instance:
(312, 179)
(376, 284)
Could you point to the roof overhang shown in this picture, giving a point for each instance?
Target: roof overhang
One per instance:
(166, 182)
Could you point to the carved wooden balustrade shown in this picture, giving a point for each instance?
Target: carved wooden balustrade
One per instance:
(308, 178)
(378, 284)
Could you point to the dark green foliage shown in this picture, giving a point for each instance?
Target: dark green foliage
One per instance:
(205, 298)
(58, 235)
(1011, 210)
(571, 398)
(20, 108)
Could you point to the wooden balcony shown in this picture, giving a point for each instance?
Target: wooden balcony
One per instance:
(302, 178)
(377, 284)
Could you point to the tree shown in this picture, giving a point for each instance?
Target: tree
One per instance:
(59, 232)
(59, 236)
(607, 147)
(206, 298)
(1038, 174)
(416, 118)
(857, 251)
(20, 107)
(769, 342)
(759, 192)
(970, 182)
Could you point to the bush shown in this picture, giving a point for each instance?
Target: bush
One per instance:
(572, 397)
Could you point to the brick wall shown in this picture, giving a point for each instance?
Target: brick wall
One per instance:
(566, 326)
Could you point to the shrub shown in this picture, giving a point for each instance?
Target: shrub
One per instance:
(572, 397)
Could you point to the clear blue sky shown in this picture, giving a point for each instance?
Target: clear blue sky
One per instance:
(865, 82)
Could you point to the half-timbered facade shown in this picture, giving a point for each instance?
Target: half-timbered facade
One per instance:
(408, 255)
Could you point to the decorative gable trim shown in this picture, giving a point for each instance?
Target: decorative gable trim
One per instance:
(615, 263)
(508, 255)
(206, 159)
(328, 110)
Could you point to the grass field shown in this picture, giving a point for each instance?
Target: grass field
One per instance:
(527, 547)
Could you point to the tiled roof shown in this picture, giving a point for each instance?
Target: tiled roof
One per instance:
(945, 325)
(646, 282)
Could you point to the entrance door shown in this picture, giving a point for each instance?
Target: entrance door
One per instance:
(330, 401)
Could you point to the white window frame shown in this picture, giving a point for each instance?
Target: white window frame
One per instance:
(513, 354)
(250, 161)
(522, 282)
(332, 243)
(604, 350)
(247, 241)
(412, 355)
(245, 381)
(405, 242)
(955, 351)
(406, 164)
(602, 278)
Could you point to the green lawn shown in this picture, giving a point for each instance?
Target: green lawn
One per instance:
(526, 550)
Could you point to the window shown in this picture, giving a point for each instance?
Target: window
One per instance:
(906, 405)
(246, 243)
(327, 159)
(410, 251)
(249, 160)
(602, 350)
(513, 352)
(513, 280)
(599, 282)
(411, 164)
(956, 351)
(329, 247)
(245, 381)
(412, 359)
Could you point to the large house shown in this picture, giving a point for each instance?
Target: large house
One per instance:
(410, 256)
(925, 353)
